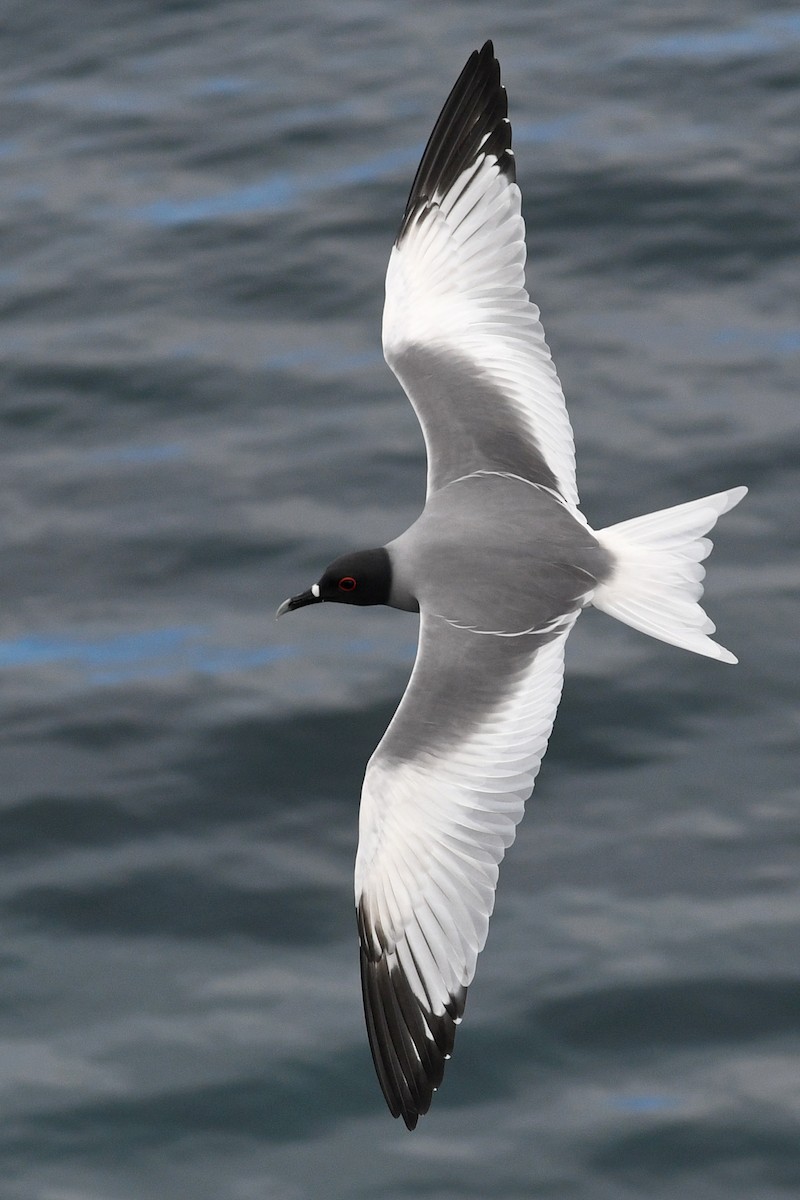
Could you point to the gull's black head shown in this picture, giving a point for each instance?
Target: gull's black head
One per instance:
(362, 577)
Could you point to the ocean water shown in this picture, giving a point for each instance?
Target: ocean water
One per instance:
(198, 205)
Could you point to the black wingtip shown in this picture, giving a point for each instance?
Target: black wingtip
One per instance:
(474, 118)
(410, 1045)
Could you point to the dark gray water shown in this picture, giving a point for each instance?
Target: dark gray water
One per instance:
(198, 205)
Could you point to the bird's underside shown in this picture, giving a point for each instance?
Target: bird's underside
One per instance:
(447, 785)
(499, 565)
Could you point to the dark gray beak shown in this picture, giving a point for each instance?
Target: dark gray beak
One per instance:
(298, 602)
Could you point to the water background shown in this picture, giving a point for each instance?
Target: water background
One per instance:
(198, 202)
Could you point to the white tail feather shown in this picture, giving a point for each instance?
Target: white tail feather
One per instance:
(656, 582)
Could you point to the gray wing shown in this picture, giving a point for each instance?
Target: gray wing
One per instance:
(441, 800)
(459, 330)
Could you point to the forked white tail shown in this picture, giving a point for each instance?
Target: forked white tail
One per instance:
(656, 582)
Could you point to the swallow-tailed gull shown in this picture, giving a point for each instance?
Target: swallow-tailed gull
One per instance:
(499, 566)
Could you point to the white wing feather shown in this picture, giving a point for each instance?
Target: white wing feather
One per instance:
(455, 287)
(432, 832)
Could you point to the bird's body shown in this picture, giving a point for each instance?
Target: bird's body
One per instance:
(494, 552)
(499, 565)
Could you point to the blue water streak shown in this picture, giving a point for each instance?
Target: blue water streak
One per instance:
(274, 194)
(765, 35)
(124, 648)
(166, 653)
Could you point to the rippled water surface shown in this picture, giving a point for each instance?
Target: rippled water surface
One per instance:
(198, 206)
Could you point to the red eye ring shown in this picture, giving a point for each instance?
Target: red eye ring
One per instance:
(348, 584)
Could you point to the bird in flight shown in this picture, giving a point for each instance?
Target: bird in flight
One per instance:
(499, 565)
